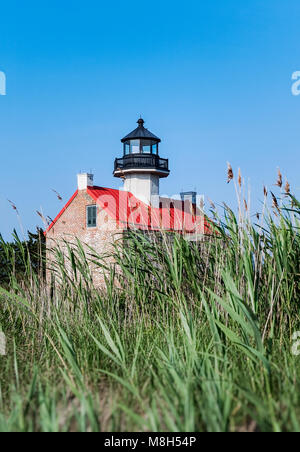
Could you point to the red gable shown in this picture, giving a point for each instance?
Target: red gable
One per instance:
(129, 212)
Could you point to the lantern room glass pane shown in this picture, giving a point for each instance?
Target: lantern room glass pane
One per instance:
(155, 148)
(146, 146)
(134, 146)
(126, 148)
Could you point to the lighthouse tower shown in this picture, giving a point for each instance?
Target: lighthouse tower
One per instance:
(141, 167)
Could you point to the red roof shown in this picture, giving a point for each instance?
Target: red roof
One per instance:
(129, 212)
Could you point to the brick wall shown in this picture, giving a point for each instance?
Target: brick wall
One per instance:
(72, 225)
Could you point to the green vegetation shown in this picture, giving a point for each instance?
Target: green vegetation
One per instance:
(22, 257)
(185, 338)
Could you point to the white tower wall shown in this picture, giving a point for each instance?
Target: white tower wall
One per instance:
(144, 187)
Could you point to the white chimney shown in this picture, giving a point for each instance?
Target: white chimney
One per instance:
(85, 180)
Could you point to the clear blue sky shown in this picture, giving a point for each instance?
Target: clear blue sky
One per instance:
(212, 79)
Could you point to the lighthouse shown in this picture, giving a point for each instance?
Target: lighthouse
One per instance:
(141, 166)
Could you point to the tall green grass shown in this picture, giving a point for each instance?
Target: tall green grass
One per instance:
(185, 337)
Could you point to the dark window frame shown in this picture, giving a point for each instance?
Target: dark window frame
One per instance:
(152, 144)
(91, 219)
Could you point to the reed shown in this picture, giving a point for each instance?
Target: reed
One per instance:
(186, 337)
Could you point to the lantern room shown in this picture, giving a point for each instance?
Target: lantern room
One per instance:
(141, 166)
(140, 150)
(140, 141)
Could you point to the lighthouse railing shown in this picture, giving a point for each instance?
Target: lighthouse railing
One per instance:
(141, 161)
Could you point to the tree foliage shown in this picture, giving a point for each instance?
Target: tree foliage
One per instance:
(18, 256)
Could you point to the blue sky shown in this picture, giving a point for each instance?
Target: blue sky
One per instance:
(212, 79)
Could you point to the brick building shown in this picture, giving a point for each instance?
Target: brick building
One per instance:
(99, 216)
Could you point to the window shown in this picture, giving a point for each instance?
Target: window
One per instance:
(146, 146)
(91, 216)
(134, 146)
(155, 148)
(126, 148)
